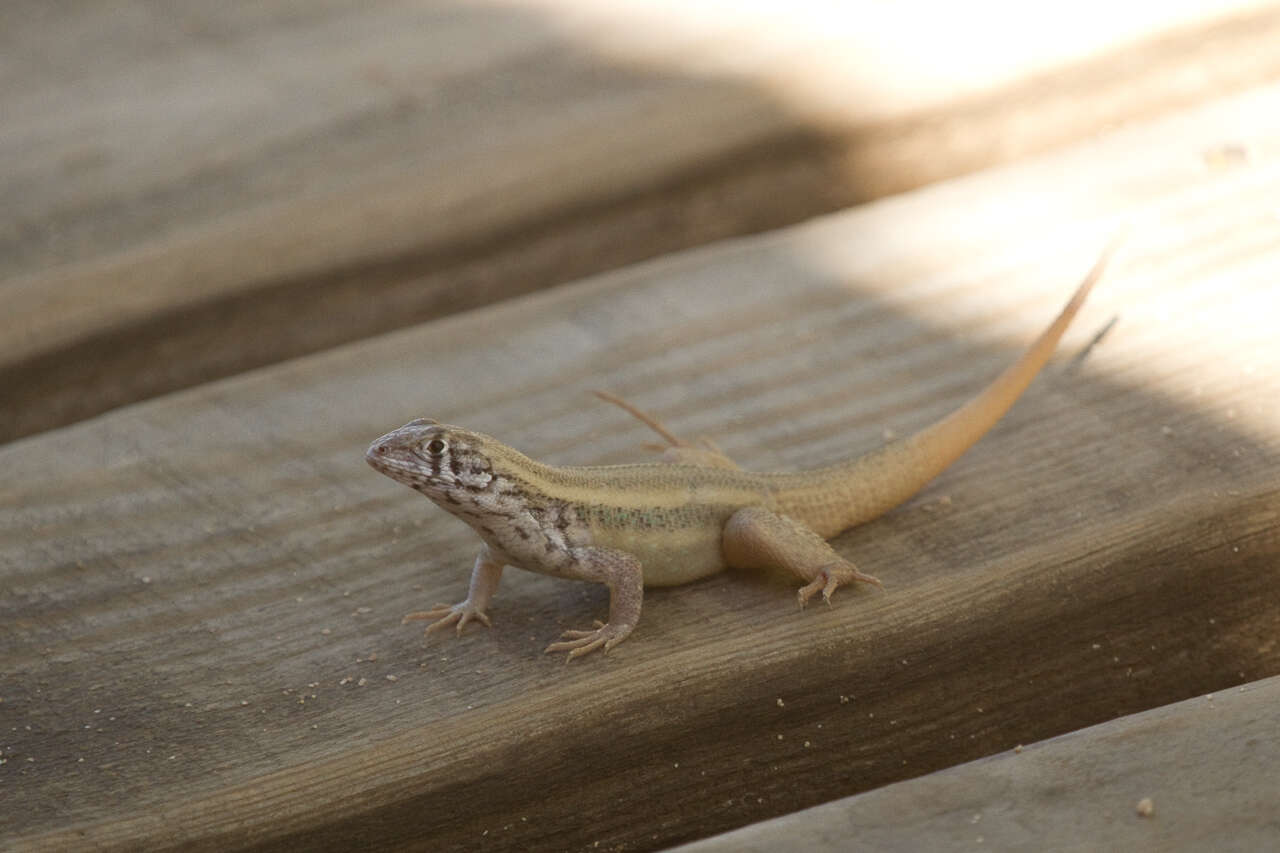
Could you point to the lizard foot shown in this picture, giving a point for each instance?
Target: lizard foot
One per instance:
(578, 643)
(448, 614)
(829, 577)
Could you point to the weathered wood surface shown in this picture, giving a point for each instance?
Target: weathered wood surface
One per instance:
(200, 623)
(200, 620)
(193, 189)
(1207, 765)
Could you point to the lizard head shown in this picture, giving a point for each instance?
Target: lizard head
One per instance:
(441, 461)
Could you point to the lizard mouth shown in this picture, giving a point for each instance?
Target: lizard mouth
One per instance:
(402, 464)
(386, 457)
(377, 454)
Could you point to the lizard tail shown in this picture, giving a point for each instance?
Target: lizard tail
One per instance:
(854, 491)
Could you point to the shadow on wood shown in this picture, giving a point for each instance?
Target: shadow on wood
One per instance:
(1205, 767)
(200, 628)
(333, 183)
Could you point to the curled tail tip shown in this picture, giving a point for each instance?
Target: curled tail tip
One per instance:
(1113, 245)
(1099, 267)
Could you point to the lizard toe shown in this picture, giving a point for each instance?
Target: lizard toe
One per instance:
(829, 578)
(575, 635)
(436, 611)
(578, 643)
(445, 615)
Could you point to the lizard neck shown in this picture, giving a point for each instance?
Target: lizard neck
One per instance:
(519, 509)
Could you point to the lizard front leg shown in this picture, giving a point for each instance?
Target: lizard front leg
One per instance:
(619, 571)
(484, 583)
(755, 538)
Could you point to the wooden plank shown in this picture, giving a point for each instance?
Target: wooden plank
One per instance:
(200, 629)
(1207, 765)
(193, 189)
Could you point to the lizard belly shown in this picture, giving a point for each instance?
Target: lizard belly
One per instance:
(674, 532)
(668, 556)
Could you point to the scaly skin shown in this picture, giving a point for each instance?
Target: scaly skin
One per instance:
(671, 522)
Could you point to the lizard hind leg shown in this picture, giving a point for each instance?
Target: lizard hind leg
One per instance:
(677, 451)
(755, 538)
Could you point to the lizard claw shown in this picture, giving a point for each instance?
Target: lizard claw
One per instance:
(578, 643)
(574, 635)
(448, 614)
(830, 577)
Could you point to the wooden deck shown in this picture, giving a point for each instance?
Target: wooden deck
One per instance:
(1196, 775)
(199, 631)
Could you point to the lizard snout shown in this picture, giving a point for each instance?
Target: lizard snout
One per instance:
(377, 452)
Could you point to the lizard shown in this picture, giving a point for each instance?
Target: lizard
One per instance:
(691, 515)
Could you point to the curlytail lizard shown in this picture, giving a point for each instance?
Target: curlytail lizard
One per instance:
(689, 516)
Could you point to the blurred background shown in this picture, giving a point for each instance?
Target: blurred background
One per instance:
(190, 190)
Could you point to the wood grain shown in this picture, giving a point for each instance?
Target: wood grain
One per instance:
(200, 633)
(195, 190)
(1206, 764)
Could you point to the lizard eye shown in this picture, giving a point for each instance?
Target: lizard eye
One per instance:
(436, 446)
